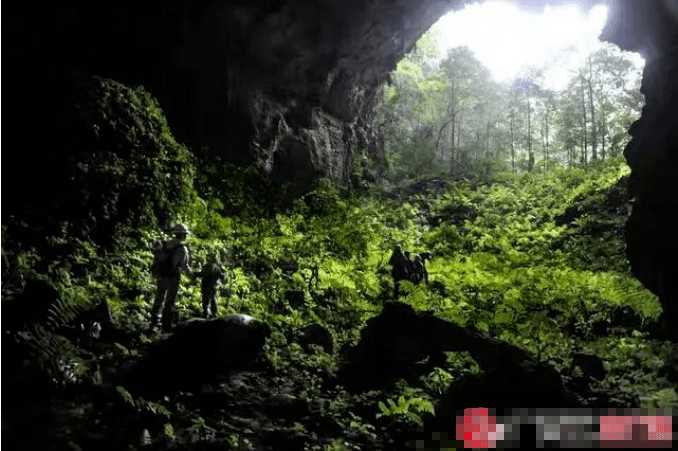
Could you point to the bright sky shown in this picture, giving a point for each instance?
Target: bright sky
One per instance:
(506, 39)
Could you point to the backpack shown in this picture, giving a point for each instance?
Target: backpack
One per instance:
(165, 264)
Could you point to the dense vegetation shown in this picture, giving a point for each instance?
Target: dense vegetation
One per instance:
(535, 259)
(444, 113)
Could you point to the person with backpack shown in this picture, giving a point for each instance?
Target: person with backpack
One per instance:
(418, 270)
(211, 275)
(400, 265)
(411, 275)
(171, 260)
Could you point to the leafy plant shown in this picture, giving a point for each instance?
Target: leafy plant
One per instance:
(410, 408)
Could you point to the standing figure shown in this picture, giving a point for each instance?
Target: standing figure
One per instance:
(410, 267)
(399, 263)
(419, 272)
(211, 275)
(170, 261)
(425, 256)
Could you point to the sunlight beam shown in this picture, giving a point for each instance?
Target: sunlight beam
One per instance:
(508, 40)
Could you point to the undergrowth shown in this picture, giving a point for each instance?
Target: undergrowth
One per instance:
(534, 259)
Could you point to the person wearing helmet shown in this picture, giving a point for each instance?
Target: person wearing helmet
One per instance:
(171, 261)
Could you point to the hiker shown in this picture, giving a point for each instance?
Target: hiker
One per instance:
(419, 270)
(424, 273)
(211, 275)
(171, 259)
(399, 271)
(410, 267)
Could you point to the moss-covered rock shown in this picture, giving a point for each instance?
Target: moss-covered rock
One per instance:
(93, 154)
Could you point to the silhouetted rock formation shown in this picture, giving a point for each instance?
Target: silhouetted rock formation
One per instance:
(652, 243)
(395, 343)
(198, 352)
(315, 334)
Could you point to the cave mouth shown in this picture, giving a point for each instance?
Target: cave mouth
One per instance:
(648, 142)
(496, 87)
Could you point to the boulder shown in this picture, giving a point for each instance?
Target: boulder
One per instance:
(394, 344)
(530, 385)
(198, 352)
(315, 334)
(284, 405)
(32, 306)
(395, 341)
(295, 298)
(96, 322)
(590, 365)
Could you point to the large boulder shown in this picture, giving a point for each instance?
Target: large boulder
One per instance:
(198, 352)
(397, 341)
(394, 343)
(34, 305)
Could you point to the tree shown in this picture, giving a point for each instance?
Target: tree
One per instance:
(448, 112)
(613, 89)
(411, 109)
(466, 77)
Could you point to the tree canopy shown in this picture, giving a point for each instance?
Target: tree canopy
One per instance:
(444, 114)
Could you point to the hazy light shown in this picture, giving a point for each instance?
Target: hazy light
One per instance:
(507, 39)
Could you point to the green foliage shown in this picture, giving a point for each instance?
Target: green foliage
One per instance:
(411, 409)
(444, 114)
(141, 405)
(200, 428)
(663, 398)
(534, 259)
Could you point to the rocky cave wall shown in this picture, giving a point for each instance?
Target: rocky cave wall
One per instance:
(288, 85)
(291, 85)
(651, 28)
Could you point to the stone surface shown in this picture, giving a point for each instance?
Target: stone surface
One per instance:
(652, 241)
(315, 334)
(198, 352)
(590, 365)
(289, 85)
(394, 343)
(31, 306)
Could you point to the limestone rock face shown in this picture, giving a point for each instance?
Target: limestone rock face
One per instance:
(652, 153)
(288, 85)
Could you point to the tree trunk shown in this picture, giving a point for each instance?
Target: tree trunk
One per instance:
(584, 155)
(603, 131)
(594, 151)
(546, 135)
(530, 156)
(513, 148)
(452, 150)
(487, 147)
(440, 135)
(459, 132)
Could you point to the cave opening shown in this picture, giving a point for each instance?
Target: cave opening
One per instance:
(500, 87)
(106, 107)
